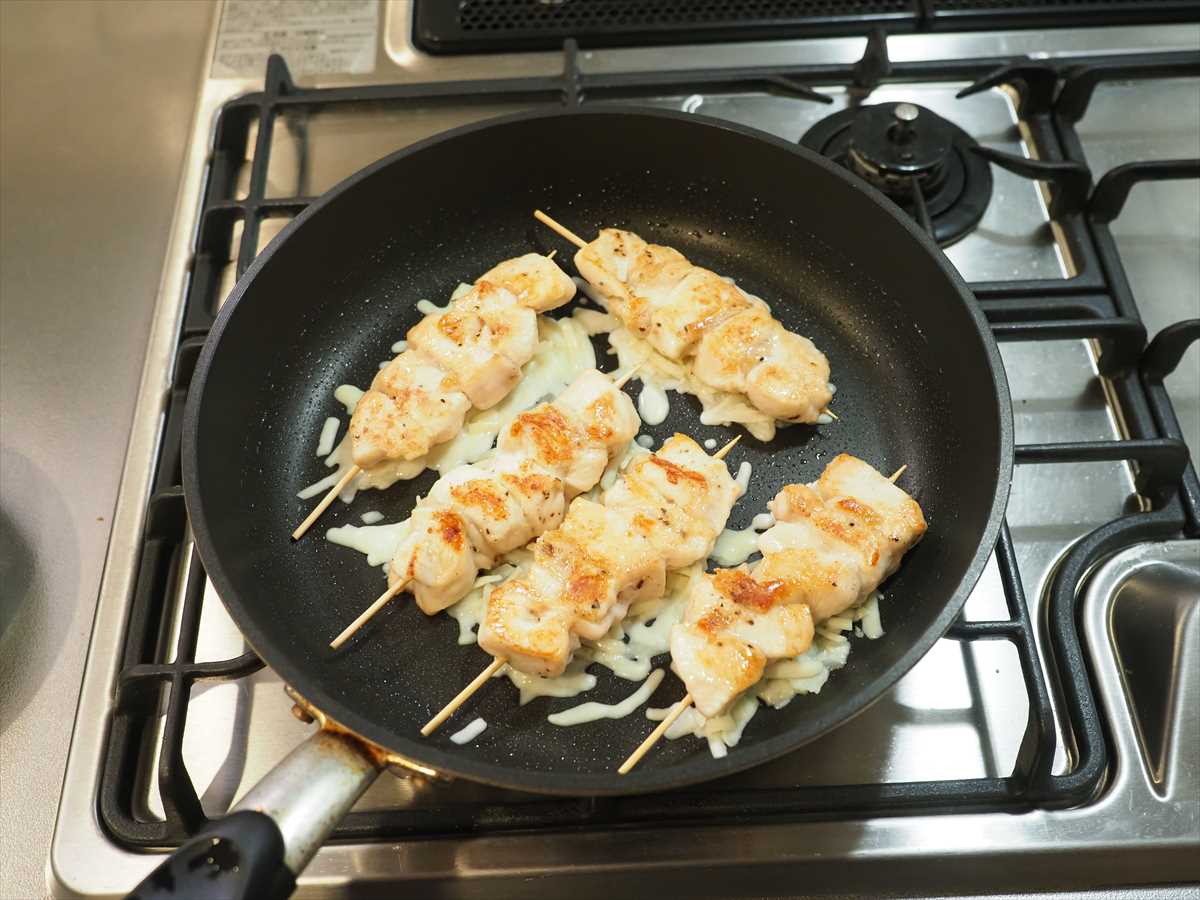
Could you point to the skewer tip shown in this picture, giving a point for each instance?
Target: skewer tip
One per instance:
(895, 475)
(325, 502)
(724, 451)
(653, 737)
(366, 614)
(561, 230)
(462, 696)
(624, 379)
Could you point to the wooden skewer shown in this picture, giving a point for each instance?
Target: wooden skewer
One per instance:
(655, 735)
(562, 230)
(366, 615)
(324, 504)
(465, 694)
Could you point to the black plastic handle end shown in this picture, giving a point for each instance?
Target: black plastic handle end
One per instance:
(239, 857)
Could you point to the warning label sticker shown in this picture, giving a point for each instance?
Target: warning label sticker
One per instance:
(316, 37)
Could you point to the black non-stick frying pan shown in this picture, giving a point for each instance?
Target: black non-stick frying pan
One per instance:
(919, 382)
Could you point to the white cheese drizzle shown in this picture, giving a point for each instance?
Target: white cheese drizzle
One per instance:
(328, 433)
(473, 730)
(591, 712)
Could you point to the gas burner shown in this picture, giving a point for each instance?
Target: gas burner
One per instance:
(920, 160)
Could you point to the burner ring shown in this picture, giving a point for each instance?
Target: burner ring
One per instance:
(955, 183)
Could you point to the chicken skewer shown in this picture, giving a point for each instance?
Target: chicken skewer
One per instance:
(468, 355)
(476, 513)
(729, 340)
(834, 542)
(664, 514)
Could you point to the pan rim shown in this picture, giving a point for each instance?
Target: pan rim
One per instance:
(644, 779)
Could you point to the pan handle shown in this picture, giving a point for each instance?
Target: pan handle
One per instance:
(258, 849)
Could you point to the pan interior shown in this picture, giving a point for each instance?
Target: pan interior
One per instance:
(323, 306)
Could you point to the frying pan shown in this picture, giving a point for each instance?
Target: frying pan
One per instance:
(919, 382)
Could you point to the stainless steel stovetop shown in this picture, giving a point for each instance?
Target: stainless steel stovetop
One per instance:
(961, 713)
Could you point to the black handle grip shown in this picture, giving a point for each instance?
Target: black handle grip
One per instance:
(239, 857)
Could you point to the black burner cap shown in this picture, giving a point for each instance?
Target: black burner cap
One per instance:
(903, 148)
(895, 139)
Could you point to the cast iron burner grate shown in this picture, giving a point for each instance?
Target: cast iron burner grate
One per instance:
(921, 161)
(158, 672)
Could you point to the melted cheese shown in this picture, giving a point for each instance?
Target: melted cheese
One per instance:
(574, 681)
(468, 734)
(378, 542)
(328, 433)
(591, 712)
(743, 475)
(653, 404)
(348, 395)
(734, 547)
(658, 373)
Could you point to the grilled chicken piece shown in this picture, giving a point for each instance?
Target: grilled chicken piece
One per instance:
(701, 301)
(516, 495)
(769, 614)
(835, 541)
(436, 559)
(573, 436)
(607, 261)
(528, 626)
(468, 355)
(854, 521)
(603, 558)
(682, 497)
(535, 281)
(505, 504)
(483, 338)
(629, 569)
(654, 290)
(585, 576)
(690, 314)
(732, 625)
(781, 373)
(714, 669)
(412, 405)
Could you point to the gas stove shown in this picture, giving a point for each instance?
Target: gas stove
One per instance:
(1047, 742)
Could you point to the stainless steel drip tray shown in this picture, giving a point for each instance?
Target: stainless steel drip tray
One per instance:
(1142, 623)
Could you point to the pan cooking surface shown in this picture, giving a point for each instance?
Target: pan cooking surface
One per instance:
(918, 383)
